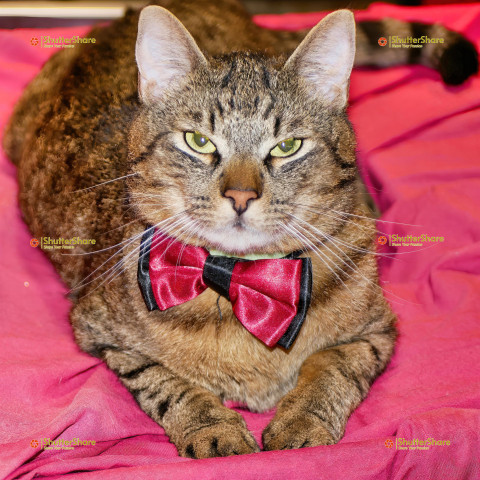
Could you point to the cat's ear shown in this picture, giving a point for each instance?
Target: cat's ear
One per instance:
(165, 52)
(325, 57)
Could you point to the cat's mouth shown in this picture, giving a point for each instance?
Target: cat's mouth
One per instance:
(239, 224)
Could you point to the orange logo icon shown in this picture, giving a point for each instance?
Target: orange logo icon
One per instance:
(34, 41)
(34, 243)
(382, 41)
(382, 240)
(34, 443)
(389, 443)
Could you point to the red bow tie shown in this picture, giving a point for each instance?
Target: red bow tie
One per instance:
(269, 297)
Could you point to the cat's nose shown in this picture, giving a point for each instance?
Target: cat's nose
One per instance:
(241, 198)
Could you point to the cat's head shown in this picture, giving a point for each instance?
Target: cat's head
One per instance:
(241, 153)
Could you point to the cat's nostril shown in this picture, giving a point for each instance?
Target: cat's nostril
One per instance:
(241, 198)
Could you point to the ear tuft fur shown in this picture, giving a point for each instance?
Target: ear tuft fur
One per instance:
(165, 52)
(324, 59)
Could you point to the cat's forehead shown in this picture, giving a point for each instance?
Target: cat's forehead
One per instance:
(242, 100)
(242, 81)
(248, 96)
(246, 69)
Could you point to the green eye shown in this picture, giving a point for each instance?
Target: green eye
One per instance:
(200, 143)
(285, 148)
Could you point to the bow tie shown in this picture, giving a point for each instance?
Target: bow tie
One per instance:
(269, 297)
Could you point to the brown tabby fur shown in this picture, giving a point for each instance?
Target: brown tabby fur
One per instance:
(69, 133)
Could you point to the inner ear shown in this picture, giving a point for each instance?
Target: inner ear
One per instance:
(165, 52)
(324, 59)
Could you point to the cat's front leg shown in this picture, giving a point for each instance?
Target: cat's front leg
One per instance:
(331, 384)
(194, 418)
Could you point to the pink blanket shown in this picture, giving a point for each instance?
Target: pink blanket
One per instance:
(419, 149)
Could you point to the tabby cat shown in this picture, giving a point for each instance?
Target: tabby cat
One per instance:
(229, 139)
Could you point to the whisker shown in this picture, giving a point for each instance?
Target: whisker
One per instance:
(336, 217)
(353, 268)
(148, 195)
(376, 219)
(195, 228)
(374, 284)
(117, 269)
(104, 183)
(321, 255)
(121, 226)
(177, 232)
(390, 255)
(346, 244)
(128, 261)
(128, 242)
(106, 248)
(353, 215)
(114, 271)
(176, 227)
(120, 243)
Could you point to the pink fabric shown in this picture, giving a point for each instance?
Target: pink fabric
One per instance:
(419, 145)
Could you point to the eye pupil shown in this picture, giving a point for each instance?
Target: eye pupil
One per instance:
(200, 139)
(286, 145)
(286, 148)
(199, 143)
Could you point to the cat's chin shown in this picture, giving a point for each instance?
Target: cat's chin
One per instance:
(240, 240)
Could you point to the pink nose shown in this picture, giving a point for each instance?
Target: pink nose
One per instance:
(240, 198)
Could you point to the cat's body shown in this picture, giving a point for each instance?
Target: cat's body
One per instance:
(80, 123)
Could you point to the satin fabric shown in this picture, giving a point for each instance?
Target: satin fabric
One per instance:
(264, 293)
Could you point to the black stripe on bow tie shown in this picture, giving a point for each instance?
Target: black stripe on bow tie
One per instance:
(217, 273)
(143, 272)
(303, 303)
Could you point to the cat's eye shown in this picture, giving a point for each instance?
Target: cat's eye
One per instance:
(200, 143)
(287, 147)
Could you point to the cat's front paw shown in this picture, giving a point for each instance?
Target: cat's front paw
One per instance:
(297, 429)
(218, 440)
